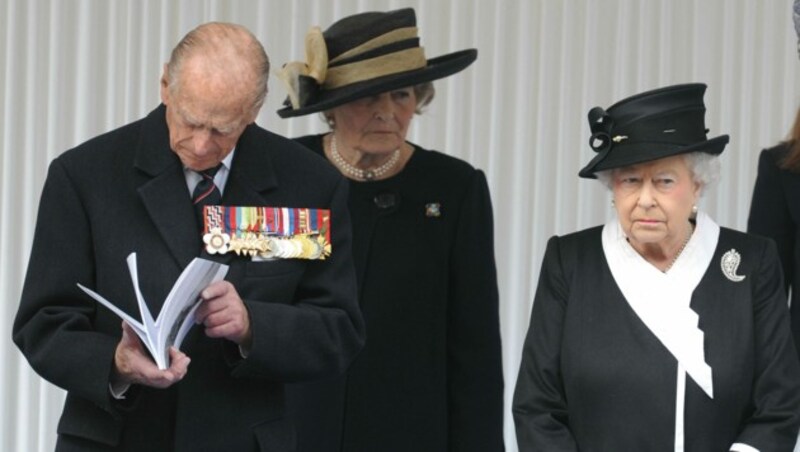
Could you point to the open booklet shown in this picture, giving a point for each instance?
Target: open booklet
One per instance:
(177, 314)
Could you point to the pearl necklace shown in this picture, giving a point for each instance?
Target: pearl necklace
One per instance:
(678, 254)
(358, 173)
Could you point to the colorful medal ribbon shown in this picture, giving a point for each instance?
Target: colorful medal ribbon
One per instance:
(268, 232)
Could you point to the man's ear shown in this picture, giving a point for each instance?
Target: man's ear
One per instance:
(165, 86)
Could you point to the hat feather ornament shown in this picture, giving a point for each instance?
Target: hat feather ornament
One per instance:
(303, 79)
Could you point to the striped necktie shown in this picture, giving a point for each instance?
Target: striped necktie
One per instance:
(206, 192)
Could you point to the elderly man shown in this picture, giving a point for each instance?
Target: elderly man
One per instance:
(271, 321)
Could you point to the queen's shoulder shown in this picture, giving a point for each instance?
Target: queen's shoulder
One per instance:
(578, 241)
(582, 235)
(732, 238)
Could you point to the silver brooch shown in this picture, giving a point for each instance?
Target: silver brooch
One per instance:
(730, 263)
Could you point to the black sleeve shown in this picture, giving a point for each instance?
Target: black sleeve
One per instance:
(540, 406)
(769, 212)
(53, 327)
(474, 369)
(776, 387)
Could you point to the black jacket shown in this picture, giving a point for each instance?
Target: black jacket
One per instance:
(775, 213)
(594, 377)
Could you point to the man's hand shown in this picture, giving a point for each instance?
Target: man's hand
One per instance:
(224, 314)
(133, 364)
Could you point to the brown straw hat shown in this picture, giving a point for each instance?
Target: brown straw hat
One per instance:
(359, 56)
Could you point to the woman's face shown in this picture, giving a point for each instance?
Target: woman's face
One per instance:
(375, 124)
(654, 201)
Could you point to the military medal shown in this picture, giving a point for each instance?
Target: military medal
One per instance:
(267, 232)
(216, 241)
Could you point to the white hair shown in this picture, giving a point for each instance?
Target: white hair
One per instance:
(705, 170)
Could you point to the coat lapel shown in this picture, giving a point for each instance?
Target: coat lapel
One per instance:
(167, 199)
(164, 193)
(252, 172)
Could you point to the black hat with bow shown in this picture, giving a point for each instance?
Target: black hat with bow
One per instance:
(363, 55)
(650, 126)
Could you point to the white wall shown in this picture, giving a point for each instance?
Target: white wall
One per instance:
(71, 69)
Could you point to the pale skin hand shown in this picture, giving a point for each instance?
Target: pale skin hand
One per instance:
(133, 364)
(224, 314)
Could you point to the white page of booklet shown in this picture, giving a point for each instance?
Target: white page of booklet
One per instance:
(177, 313)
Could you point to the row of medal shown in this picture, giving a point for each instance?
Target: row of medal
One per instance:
(267, 232)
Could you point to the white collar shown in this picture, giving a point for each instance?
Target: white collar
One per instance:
(662, 300)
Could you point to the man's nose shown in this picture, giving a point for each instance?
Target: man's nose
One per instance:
(201, 140)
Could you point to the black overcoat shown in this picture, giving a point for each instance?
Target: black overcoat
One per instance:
(594, 378)
(125, 191)
(429, 377)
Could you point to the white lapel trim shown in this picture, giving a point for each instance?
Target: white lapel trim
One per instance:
(661, 300)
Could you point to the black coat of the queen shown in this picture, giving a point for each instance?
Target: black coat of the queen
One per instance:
(594, 377)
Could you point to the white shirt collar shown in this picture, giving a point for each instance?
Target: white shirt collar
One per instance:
(220, 179)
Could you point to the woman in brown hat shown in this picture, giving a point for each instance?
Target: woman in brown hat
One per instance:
(660, 331)
(429, 377)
